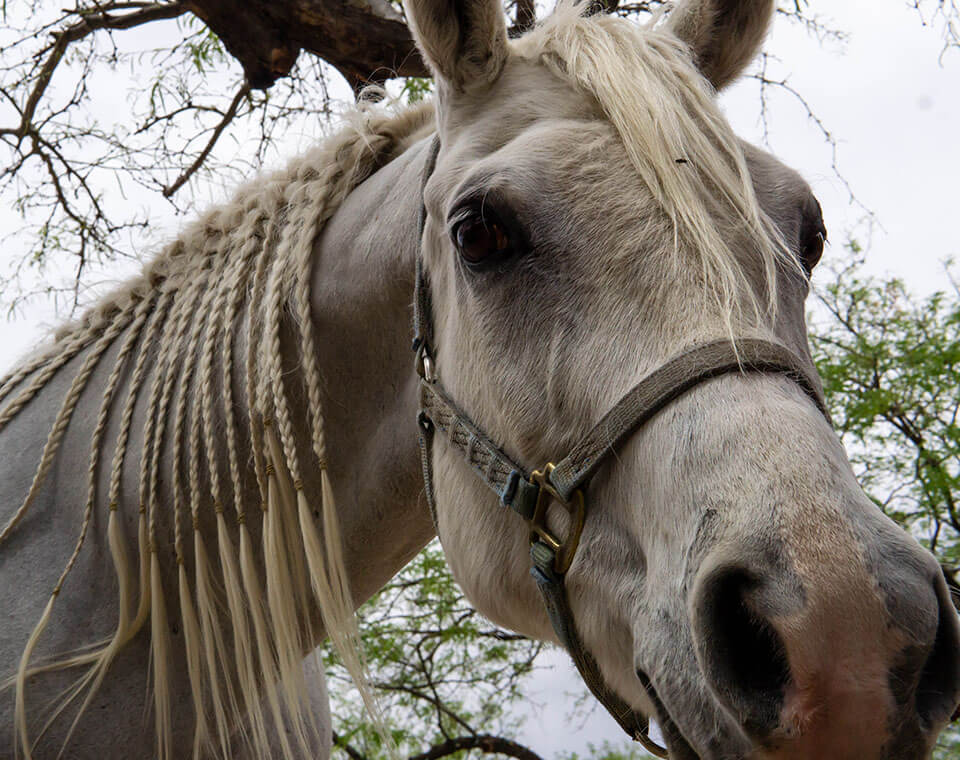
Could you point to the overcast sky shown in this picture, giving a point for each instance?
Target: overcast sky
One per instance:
(893, 106)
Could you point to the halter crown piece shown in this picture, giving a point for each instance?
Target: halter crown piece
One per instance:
(530, 493)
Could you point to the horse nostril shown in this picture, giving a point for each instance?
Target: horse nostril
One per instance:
(937, 690)
(741, 654)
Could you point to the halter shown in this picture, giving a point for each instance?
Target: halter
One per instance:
(530, 493)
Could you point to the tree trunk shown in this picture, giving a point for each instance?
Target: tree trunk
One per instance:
(365, 40)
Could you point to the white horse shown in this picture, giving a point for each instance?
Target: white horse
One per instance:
(205, 476)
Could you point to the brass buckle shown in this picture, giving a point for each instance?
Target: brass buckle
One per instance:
(564, 549)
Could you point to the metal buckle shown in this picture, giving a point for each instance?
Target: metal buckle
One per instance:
(650, 745)
(424, 364)
(564, 549)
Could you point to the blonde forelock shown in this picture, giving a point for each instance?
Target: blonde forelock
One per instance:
(643, 79)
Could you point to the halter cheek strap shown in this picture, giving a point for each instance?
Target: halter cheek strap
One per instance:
(530, 494)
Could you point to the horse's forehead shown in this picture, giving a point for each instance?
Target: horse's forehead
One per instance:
(525, 94)
(531, 130)
(530, 96)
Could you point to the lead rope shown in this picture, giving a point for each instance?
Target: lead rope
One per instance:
(528, 495)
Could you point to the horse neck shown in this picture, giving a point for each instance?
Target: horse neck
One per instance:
(362, 293)
(361, 301)
(360, 306)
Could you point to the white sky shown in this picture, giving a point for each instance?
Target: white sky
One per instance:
(894, 107)
(895, 111)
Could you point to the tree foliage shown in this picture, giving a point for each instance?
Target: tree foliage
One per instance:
(890, 363)
(446, 677)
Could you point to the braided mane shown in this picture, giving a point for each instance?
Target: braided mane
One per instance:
(242, 269)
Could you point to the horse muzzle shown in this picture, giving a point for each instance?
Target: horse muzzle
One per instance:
(821, 655)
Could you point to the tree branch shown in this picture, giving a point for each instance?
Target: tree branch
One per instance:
(92, 20)
(231, 112)
(343, 744)
(483, 742)
(441, 708)
(365, 40)
(766, 84)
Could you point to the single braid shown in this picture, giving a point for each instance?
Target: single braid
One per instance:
(286, 593)
(289, 477)
(119, 363)
(50, 448)
(150, 438)
(211, 636)
(126, 417)
(44, 376)
(257, 254)
(89, 657)
(187, 342)
(120, 449)
(255, 240)
(68, 342)
(60, 352)
(102, 659)
(254, 397)
(176, 307)
(63, 420)
(219, 332)
(327, 569)
(232, 281)
(160, 392)
(184, 312)
(273, 376)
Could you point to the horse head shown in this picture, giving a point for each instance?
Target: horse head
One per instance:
(589, 218)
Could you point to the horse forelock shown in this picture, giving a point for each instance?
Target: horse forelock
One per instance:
(665, 113)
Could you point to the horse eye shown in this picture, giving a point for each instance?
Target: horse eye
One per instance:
(813, 234)
(813, 250)
(480, 239)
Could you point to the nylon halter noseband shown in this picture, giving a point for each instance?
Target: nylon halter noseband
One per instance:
(530, 493)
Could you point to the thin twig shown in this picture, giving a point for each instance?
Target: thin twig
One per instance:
(242, 93)
(343, 744)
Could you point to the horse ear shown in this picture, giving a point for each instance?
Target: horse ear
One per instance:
(724, 35)
(463, 41)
